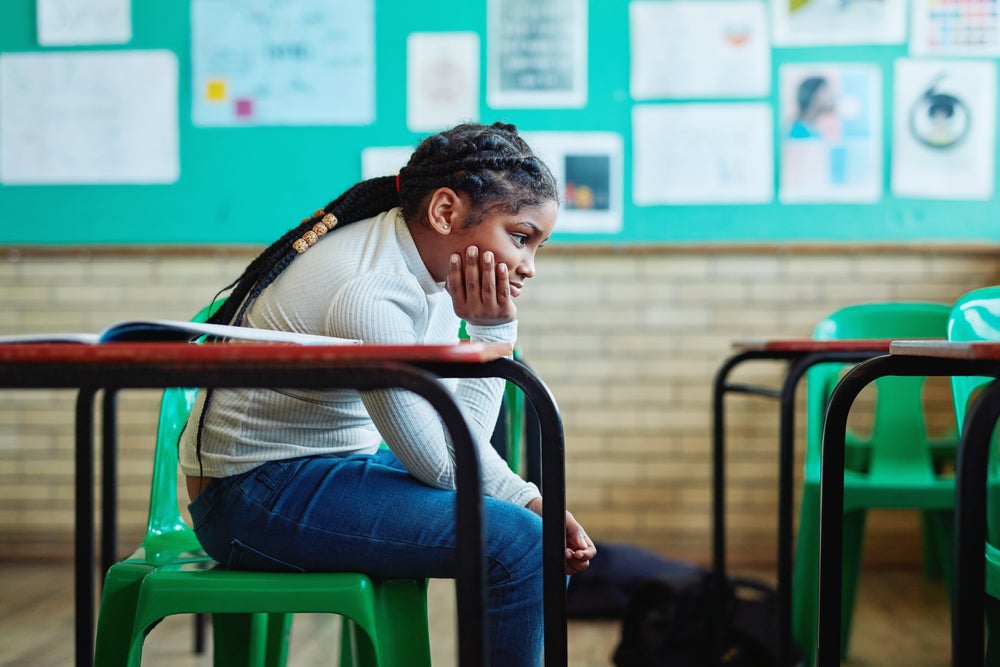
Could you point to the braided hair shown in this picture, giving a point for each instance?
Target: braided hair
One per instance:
(491, 164)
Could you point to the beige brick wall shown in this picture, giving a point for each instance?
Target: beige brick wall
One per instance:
(627, 340)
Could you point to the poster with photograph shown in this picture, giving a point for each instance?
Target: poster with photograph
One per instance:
(283, 62)
(944, 129)
(442, 80)
(945, 27)
(825, 22)
(699, 49)
(384, 160)
(536, 53)
(702, 154)
(588, 169)
(831, 133)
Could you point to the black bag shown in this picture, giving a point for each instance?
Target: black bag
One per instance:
(705, 622)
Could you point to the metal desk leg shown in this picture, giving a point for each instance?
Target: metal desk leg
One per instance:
(109, 481)
(84, 528)
(970, 522)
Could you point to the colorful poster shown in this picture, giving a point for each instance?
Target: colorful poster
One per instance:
(821, 22)
(944, 129)
(536, 53)
(283, 62)
(702, 154)
(699, 49)
(86, 117)
(588, 169)
(442, 80)
(947, 27)
(831, 136)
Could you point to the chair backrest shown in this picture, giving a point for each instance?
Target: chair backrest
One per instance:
(898, 446)
(975, 316)
(165, 519)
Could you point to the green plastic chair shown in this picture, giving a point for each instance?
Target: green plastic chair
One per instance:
(894, 466)
(976, 316)
(251, 611)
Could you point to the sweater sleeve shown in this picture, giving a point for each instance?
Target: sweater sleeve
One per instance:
(384, 309)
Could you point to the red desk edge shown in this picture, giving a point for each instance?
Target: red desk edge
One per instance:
(807, 345)
(947, 349)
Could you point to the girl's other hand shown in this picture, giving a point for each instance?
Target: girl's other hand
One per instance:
(580, 549)
(480, 288)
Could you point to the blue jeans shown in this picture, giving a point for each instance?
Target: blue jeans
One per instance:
(367, 514)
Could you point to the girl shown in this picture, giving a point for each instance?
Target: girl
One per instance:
(296, 480)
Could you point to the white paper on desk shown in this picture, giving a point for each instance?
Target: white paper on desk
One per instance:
(970, 28)
(88, 117)
(702, 153)
(78, 22)
(819, 22)
(442, 80)
(944, 129)
(699, 49)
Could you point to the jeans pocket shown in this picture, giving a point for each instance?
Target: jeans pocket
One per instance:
(245, 557)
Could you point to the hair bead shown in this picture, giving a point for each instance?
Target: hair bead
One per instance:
(319, 229)
(310, 237)
(300, 246)
(330, 220)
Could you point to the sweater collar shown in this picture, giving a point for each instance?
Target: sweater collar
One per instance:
(412, 256)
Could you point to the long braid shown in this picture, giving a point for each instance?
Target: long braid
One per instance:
(491, 164)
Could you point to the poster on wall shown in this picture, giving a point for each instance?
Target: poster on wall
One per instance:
(536, 53)
(83, 22)
(831, 133)
(442, 80)
(944, 129)
(702, 154)
(282, 62)
(823, 22)
(88, 117)
(588, 168)
(945, 27)
(384, 160)
(699, 49)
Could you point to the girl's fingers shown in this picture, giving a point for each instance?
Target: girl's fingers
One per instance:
(454, 282)
(488, 279)
(472, 290)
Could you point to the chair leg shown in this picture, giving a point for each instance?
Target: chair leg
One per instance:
(356, 647)
(118, 604)
(239, 640)
(279, 630)
(992, 631)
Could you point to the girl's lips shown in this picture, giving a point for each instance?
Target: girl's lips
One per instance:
(515, 290)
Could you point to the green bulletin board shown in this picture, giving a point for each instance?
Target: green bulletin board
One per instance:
(249, 184)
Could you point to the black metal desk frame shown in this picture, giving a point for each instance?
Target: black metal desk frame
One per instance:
(970, 503)
(798, 362)
(421, 378)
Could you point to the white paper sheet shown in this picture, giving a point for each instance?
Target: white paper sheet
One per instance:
(944, 129)
(702, 154)
(442, 80)
(88, 117)
(77, 22)
(968, 28)
(817, 22)
(588, 169)
(384, 160)
(283, 62)
(699, 49)
(831, 133)
(536, 53)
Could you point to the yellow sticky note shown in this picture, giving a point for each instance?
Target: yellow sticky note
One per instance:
(215, 90)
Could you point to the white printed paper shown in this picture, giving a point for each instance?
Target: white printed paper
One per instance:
(831, 139)
(79, 22)
(536, 53)
(702, 154)
(819, 22)
(944, 129)
(967, 28)
(88, 117)
(384, 160)
(442, 80)
(699, 49)
(283, 62)
(588, 169)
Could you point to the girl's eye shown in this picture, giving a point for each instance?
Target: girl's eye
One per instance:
(520, 239)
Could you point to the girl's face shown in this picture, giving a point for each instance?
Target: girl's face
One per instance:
(513, 239)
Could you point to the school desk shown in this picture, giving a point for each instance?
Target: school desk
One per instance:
(916, 358)
(801, 354)
(114, 366)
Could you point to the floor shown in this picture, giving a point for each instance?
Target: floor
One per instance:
(901, 619)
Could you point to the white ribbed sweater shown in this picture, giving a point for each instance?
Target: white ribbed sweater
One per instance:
(364, 281)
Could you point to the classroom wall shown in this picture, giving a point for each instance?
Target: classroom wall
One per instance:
(627, 339)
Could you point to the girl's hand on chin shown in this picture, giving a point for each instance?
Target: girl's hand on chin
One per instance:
(480, 288)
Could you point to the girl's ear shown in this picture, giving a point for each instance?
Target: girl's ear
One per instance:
(444, 210)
